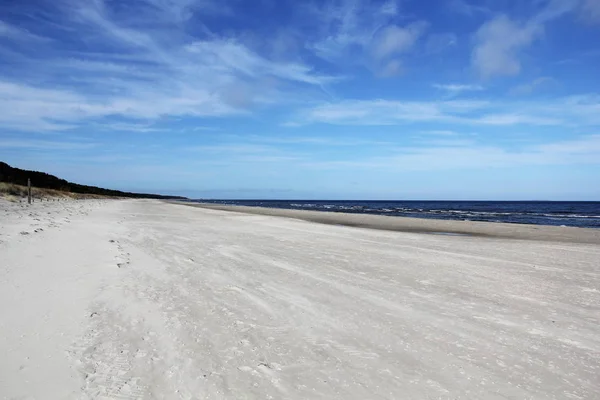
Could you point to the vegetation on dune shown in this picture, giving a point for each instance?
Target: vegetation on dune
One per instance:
(13, 192)
(15, 182)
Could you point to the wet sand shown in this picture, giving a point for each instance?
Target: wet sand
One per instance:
(422, 225)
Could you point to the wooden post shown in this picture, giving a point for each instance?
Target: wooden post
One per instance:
(29, 190)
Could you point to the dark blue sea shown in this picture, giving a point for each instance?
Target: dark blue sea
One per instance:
(558, 213)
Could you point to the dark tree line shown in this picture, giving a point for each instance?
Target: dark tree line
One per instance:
(46, 181)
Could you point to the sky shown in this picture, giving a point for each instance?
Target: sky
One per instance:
(293, 99)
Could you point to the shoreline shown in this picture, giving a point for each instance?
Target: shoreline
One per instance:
(432, 226)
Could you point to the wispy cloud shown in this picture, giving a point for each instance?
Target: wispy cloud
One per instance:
(439, 133)
(232, 148)
(590, 11)
(31, 144)
(500, 42)
(581, 151)
(233, 57)
(365, 33)
(127, 127)
(18, 34)
(457, 88)
(312, 141)
(153, 69)
(439, 42)
(517, 118)
(394, 40)
(568, 111)
(24, 107)
(530, 87)
(429, 152)
(468, 7)
(349, 23)
(244, 153)
(386, 112)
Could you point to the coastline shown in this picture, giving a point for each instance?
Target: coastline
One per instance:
(421, 225)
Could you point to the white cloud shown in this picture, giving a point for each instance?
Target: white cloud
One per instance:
(440, 133)
(500, 42)
(233, 57)
(516, 118)
(590, 11)
(24, 107)
(467, 7)
(585, 145)
(530, 87)
(364, 33)
(232, 148)
(572, 111)
(180, 11)
(440, 42)
(446, 151)
(457, 88)
(31, 144)
(582, 108)
(29, 108)
(393, 39)
(154, 69)
(391, 68)
(10, 31)
(244, 152)
(345, 26)
(498, 46)
(446, 156)
(127, 127)
(386, 112)
(310, 140)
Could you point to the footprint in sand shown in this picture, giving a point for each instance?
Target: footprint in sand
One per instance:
(123, 258)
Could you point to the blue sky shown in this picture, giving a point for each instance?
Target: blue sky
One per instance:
(406, 99)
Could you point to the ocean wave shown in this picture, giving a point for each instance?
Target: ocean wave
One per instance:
(544, 213)
(570, 216)
(441, 212)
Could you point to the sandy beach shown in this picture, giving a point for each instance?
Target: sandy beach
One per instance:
(142, 299)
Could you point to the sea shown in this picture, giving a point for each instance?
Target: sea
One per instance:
(558, 213)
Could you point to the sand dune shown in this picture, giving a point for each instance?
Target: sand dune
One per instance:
(104, 299)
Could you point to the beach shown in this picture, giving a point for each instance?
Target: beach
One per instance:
(144, 299)
(421, 225)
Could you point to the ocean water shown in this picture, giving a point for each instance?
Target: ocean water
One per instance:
(558, 213)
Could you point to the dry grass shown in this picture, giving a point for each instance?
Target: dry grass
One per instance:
(12, 192)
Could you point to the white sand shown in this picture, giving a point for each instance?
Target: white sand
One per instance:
(190, 303)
